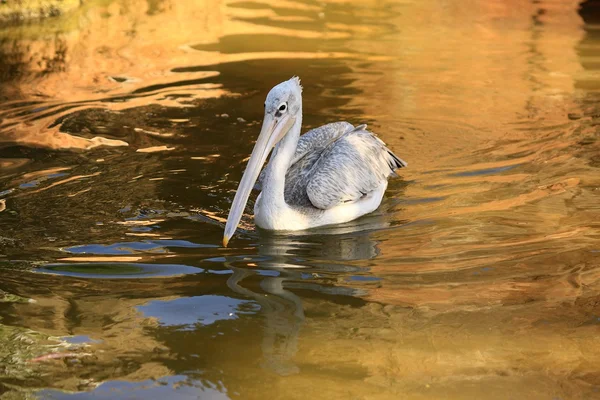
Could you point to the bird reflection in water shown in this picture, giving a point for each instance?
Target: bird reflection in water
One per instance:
(284, 316)
(283, 271)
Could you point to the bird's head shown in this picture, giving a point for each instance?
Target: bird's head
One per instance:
(284, 99)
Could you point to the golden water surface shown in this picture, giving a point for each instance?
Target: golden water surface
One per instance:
(125, 126)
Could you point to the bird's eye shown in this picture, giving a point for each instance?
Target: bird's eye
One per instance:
(283, 107)
(264, 105)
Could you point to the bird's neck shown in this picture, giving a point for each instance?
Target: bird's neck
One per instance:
(283, 154)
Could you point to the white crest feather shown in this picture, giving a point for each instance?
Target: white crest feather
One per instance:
(296, 80)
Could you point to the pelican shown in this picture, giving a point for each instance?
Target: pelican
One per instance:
(330, 175)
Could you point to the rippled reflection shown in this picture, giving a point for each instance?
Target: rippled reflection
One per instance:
(284, 316)
(124, 130)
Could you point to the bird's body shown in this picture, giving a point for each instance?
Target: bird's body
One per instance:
(338, 173)
(330, 175)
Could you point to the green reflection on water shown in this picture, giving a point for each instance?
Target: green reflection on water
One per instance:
(98, 269)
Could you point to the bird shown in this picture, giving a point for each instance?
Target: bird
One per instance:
(330, 175)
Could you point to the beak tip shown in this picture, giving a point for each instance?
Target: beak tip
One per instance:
(225, 241)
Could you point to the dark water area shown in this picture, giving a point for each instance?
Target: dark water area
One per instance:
(125, 127)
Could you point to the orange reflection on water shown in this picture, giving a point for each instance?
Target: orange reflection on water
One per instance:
(476, 278)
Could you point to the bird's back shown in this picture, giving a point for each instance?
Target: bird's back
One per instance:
(337, 163)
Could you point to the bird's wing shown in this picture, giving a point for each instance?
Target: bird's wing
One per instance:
(350, 167)
(319, 138)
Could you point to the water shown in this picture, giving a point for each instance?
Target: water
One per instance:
(124, 130)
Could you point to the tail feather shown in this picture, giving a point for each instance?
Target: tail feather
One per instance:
(397, 161)
(394, 161)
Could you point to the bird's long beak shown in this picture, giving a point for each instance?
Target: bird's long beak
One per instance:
(272, 131)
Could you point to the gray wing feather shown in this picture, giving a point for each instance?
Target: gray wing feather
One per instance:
(321, 137)
(310, 149)
(353, 166)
